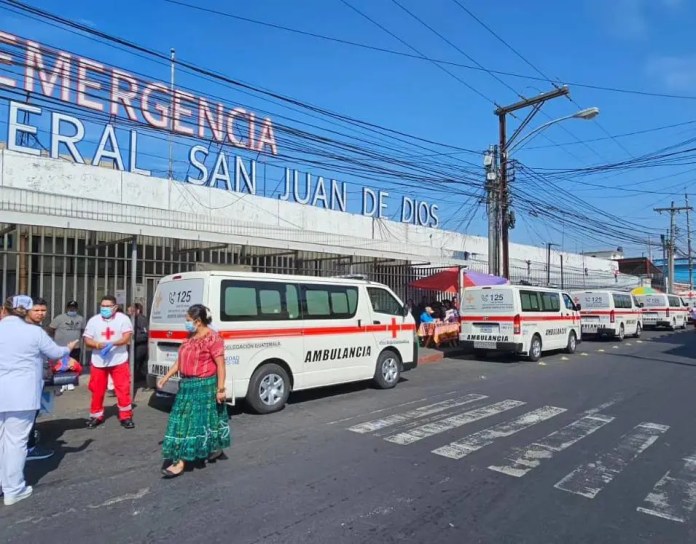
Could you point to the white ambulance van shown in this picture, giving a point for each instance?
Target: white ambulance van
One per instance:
(286, 333)
(516, 319)
(662, 310)
(609, 313)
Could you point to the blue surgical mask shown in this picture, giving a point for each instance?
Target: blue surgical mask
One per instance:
(72, 313)
(106, 313)
(190, 326)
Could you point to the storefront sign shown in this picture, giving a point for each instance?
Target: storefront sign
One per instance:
(94, 86)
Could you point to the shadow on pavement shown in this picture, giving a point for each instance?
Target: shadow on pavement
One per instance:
(684, 345)
(51, 434)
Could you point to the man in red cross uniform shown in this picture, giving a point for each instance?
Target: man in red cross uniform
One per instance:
(108, 335)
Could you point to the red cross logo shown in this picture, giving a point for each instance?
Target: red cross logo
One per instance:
(108, 333)
(393, 328)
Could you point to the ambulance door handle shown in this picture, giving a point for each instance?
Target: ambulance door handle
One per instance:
(376, 322)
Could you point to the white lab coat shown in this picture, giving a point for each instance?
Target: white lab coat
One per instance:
(23, 349)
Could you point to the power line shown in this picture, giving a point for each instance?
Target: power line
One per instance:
(368, 47)
(412, 48)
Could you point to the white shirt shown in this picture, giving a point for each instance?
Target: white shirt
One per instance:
(23, 349)
(109, 330)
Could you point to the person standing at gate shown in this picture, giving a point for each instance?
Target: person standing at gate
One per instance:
(68, 327)
(108, 335)
(23, 351)
(140, 338)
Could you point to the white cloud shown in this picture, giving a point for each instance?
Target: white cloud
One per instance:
(677, 73)
(633, 19)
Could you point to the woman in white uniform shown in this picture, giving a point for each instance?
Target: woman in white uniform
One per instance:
(23, 348)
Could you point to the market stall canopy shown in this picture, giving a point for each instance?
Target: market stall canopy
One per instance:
(638, 291)
(447, 280)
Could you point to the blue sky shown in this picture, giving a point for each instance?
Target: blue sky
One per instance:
(636, 44)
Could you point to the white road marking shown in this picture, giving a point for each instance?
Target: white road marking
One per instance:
(674, 496)
(588, 480)
(600, 350)
(127, 497)
(424, 431)
(523, 460)
(381, 410)
(476, 441)
(602, 407)
(430, 409)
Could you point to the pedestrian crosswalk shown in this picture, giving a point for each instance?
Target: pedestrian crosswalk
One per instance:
(434, 425)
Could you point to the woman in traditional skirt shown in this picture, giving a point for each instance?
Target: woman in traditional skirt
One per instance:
(198, 427)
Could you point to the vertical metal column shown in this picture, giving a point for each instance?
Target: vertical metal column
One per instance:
(133, 283)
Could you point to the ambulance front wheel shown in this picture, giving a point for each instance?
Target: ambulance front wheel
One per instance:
(388, 370)
(572, 343)
(639, 329)
(269, 389)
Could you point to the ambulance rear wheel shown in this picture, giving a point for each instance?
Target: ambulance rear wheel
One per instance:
(572, 343)
(622, 333)
(535, 348)
(388, 370)
(269, 389)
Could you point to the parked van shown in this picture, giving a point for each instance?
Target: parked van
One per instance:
(286, 333)
(662, 310)
(525, 321)
(609, 313)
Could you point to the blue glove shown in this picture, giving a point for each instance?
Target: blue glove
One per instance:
(64, 363)
(106, 349)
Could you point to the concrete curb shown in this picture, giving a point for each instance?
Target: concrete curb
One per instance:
(433, 358)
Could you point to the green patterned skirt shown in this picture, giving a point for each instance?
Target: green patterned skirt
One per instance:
(198, 425)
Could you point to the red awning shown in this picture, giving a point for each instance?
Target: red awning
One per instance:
(447, 281)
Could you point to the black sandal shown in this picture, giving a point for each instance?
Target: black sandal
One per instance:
(168, 474)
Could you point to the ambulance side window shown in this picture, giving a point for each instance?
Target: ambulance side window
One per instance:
(550, 302)
(252, 300)
(569, 304)
(330, 301)
(383, 302)
(530, 301)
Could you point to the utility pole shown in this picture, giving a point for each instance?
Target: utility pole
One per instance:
(688, 243)
(549, 245)
(490, 162)
(171, 114)
(671, 243)
(504, 143)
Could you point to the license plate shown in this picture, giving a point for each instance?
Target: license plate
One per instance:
(590, 326)
(486, 330)
(590, 318)
(485, 345)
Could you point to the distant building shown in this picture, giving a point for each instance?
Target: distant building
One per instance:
(611, 254)
(681, 269)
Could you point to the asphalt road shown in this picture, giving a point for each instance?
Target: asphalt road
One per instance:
(591, 448)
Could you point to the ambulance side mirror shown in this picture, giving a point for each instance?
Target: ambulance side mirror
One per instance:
(405, 310)
(578, 307)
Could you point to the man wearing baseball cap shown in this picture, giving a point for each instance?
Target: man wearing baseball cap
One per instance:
(68, 327)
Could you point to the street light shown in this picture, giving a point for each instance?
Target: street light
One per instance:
(586, 114)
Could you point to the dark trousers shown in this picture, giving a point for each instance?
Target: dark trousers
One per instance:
(140, 362)
(32, 434)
